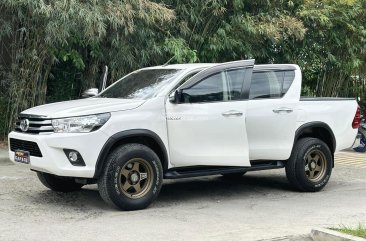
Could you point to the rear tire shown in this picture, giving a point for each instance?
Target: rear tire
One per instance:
(58, 184)
(310, 165)
(132, 177)
(235, 175)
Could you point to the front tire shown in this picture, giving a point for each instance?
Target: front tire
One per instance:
(310, 165)
(58, 184)
(132, 177)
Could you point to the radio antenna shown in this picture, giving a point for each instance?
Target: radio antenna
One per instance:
(167, 62)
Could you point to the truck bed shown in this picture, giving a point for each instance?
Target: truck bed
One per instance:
(338, 113)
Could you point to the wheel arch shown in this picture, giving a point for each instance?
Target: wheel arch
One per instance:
(142, 136)
(318, 130)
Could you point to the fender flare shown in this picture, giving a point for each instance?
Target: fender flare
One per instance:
(123, 135)
(316, 124)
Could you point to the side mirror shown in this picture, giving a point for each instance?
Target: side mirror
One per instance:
(175, 97)
(89, 93)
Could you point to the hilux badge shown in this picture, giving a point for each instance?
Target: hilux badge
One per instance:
(24, 125)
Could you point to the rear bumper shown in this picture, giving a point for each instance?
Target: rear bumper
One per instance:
(346, 139)
(54, 160)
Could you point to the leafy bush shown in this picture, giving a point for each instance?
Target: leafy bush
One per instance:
(52, 50)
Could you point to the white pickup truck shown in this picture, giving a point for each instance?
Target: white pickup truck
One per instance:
(186, 120)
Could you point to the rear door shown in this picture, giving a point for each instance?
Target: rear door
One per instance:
(271, 113)
(208, 128)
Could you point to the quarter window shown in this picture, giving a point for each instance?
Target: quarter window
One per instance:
(270, 84)
(289, 77)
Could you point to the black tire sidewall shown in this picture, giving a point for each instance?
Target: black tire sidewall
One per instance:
(117, 162)
(59, 184)
(309, 146)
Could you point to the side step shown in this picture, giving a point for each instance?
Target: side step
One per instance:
(198, 171)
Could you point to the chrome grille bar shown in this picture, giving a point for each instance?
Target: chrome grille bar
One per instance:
(37, 124)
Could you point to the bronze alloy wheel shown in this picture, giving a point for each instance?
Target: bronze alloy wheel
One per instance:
(310, 165)
(132, 177)
(315, 165)
(135, 178)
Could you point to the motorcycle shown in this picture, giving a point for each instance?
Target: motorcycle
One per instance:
(360, 145)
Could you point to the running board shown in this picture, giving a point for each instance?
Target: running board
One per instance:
(198, 171)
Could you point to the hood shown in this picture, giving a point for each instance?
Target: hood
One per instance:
(83, 107)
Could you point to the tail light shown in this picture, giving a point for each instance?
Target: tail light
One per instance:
(357, 119)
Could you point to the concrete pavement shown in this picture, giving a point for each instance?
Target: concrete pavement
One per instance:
(260, 206)
(4, 156)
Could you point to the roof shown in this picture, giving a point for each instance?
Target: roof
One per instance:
(184, 66)
(257, 67)
(269, 67)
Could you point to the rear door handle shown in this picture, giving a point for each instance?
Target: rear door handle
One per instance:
(232, 113)
(283, 110)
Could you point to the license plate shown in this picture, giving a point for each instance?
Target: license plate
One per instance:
(22, 156)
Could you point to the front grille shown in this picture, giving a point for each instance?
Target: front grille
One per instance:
(37, 124)
(32, 147)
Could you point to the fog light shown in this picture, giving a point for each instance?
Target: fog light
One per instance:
(74, 157)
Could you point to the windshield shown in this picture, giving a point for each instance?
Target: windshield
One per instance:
(141, 84)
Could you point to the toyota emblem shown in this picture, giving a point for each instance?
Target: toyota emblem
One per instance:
(24, 125)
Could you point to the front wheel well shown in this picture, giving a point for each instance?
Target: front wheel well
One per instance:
(144, 140)
(143, 137)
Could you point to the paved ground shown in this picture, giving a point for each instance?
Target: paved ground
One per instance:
(351, 159)
(260, 206)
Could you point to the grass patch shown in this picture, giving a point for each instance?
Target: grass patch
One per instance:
(359, 231)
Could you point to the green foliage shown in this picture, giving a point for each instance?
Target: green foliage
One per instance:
(44, 35)
(222, 30)
(71, 55)
(179, 49)
(53, 50)
(334, 49)
(64, 82)
(359, 231)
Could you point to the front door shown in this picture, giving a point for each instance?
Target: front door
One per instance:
(208, 127)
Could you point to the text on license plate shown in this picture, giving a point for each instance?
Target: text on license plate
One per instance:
(22, 156)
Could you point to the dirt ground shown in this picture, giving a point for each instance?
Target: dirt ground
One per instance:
(260, 206)
(3, 145)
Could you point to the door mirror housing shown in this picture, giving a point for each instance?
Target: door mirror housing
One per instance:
(90, 93)
(175, 97)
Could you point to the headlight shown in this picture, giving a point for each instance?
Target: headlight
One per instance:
(80, 124)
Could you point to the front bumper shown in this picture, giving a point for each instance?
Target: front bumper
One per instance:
(54, 160)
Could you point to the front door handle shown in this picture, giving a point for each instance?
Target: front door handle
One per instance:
(283, 110)
(232, 113)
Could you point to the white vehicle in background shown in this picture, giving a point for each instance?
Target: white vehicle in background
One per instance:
(187, 120)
